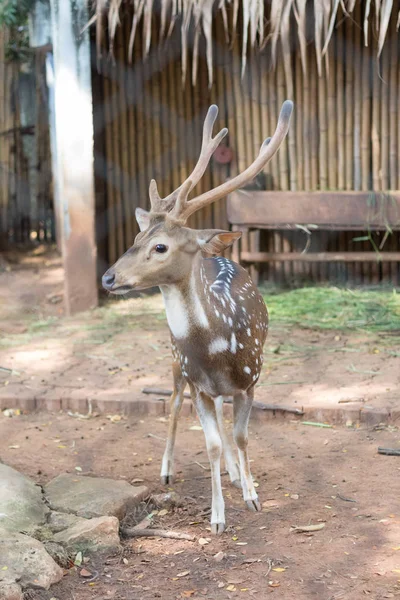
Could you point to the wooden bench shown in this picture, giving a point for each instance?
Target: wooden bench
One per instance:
(250, 211)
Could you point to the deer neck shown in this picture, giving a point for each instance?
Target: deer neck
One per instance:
(185, 303)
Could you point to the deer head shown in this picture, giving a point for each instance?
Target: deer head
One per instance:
(164, 249)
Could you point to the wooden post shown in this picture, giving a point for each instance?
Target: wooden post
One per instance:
(74, 176)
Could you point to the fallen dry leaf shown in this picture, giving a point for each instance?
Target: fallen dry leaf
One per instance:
(279, 570)
(183, 574)
(203, 541)
(188, 593)
(219, 556)
(85, 573)
(15, 447)
(195, 428)
(274, 583)
(163, 512)
(231, 588)
(301, 528)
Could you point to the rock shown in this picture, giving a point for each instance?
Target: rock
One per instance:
(93, 497)
(11, 591)
(58, 554)
(58, 521)
(167, 500)
(21, 502)
(91, 535)
(27, 562)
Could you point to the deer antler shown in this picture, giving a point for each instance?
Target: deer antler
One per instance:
(178, 200)
(208, 147)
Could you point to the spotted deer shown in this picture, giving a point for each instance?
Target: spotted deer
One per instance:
(217, 317)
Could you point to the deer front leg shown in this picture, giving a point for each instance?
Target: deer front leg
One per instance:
(205, 408)
(241, 412)
(167, 466)
(230, 461)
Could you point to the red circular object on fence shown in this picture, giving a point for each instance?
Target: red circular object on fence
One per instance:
(223, 155)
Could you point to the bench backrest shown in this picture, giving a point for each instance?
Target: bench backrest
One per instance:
(326, 210)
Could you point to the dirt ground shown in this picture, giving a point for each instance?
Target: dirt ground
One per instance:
(108, 355)
(305, 475)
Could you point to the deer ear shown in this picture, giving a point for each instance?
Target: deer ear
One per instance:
(215, 241)
(142, 218)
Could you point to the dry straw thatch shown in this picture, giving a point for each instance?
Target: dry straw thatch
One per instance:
(263, 22)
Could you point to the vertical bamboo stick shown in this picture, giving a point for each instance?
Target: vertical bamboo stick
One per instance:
(385, 107)
(394, 157)
(357, 99)
(313, 140)
(272, 95)
(298, 96)
(121, 45)
(131, 124)
(365, 121)
(375, 127)
(333, 92)
(340, 86)
(323, 132)
(140, 141)
(111, 220)
(394, 100)
(306, 126)
(349, 51)
(283, 151)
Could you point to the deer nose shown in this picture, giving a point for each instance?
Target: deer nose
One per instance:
(108, 280)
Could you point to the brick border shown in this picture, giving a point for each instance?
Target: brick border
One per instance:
(79, 402)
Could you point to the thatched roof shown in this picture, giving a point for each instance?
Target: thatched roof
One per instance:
(263, 22)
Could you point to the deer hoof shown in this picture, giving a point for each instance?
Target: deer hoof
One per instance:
(237, 483)
(217, 528)
(253, 505)
(167, 479)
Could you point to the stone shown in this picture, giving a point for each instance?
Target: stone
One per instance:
(27, 562)
(11, 591)
(167, 500)
(93, 496)
(58, 553)
(58, 521)
(22, 507)
(91, 535)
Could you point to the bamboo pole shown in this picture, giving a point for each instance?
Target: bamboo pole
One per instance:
(111, 220)
(283, 151)
(394, 133)
(341, 125)
(394, 100)
(272, 95)
(375, 141)
(121, 46)
(333, 92)
(323, 132)
(313, 140)
(348, 54)
(143, 181)
(385, 108)
(365, 120)
(357, 99)
(131, 124)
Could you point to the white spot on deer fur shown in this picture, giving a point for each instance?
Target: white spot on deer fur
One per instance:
(224, 318)
(198, 311)
(176, 311)
(247, 370)
(216, 312)
(248, 332)
(256, 341)
(241, 346)
(230, 321)
(233, 343)
(186, 360)
(218, 345)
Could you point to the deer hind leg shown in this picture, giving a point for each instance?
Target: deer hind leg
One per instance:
(167, 466)
(241, 412)
(206, 411)
(230, 460)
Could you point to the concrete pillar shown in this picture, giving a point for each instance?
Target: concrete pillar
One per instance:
(73, 141)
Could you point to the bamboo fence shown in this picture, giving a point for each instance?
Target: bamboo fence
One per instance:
(26, 205)
(345, 135)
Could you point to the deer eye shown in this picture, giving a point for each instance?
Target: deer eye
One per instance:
(161, 248)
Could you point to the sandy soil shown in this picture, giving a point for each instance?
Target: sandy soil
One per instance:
(306, 475)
